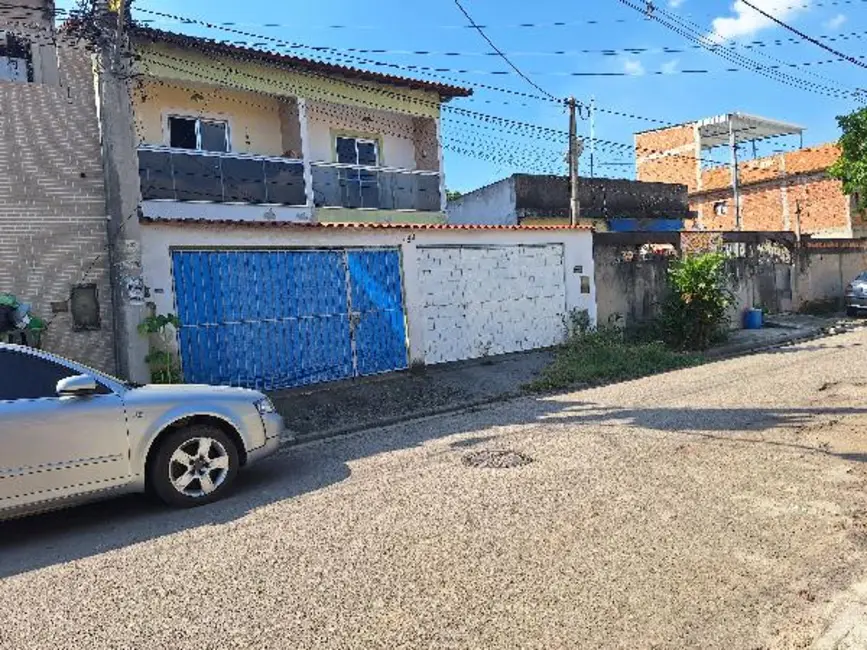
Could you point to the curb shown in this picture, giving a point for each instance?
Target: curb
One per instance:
(399, 419)
(810, 334)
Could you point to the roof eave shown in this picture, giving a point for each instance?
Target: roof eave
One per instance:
(445, 91)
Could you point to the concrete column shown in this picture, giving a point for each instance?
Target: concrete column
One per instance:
(305, 152)
(443, 199)
(123, 196)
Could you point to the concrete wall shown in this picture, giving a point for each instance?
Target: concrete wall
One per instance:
(490, 205)
(600, 198)
(780, 278)
(254, 120)
(496, 262)
(538, 199)
(52, 203)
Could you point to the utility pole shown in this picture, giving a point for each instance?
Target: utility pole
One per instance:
(574, 205)
(592, 135)
(120, 163)
(735, 181)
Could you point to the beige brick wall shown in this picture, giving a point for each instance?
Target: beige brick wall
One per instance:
(52, 203)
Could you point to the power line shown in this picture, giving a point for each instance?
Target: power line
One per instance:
(676, 24)
(807, 38)
(500, 52)
(524, 25)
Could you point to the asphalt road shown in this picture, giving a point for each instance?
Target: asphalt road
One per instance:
(717, 507)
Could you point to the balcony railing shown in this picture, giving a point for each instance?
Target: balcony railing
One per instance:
(185, 175)
(383, 188)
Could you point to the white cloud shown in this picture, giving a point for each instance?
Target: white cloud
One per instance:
(836, 22)
(633, 67)
(670, 67)
(746, 21)
(674, 4)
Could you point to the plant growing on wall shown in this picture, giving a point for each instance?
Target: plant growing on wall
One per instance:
(161, 359)
(851, 167)
(694, 313)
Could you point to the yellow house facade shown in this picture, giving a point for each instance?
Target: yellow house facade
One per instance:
(228, 132)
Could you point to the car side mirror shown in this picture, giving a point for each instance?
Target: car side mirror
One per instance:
(76, 386)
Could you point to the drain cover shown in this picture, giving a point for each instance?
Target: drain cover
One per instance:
(496, 459)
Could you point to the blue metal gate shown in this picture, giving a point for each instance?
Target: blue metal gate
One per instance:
(278, 319)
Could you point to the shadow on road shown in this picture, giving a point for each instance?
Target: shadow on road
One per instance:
(46, 540)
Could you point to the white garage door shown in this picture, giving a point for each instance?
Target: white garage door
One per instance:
(486, 300)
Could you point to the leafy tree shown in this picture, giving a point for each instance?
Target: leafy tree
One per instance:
(851, 168)
(451, 195)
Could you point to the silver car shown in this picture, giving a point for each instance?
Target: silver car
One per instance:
(70, 434)
(856, 295)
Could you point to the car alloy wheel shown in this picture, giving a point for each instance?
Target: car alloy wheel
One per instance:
(199, 467)
(194, 465)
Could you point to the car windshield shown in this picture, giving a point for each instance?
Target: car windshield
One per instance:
(862, 277)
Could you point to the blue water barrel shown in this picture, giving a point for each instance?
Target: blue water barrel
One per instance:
(753, 319)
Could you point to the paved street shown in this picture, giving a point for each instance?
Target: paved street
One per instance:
(719, 507)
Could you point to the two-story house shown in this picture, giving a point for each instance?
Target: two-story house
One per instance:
(229, 132)
(263, 177)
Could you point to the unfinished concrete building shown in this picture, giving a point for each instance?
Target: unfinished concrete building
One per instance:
(785, 191)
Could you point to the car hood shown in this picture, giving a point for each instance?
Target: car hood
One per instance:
(184, 392)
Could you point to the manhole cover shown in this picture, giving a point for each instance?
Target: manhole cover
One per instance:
(496, 459)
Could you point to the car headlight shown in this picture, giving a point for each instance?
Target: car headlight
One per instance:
(265, 406)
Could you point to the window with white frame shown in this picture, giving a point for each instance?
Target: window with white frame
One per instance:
(721, 208)
(198, 133)
(360, 186)
(16, 58)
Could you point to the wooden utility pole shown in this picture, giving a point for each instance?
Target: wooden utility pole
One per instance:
(574, 205)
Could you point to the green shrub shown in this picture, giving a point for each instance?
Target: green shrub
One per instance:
(161, 359)
(694, 314)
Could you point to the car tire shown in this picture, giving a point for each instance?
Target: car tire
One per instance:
(194, 466)
(851, 312)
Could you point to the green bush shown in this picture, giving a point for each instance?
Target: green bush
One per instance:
(162, 361)
(694, 314)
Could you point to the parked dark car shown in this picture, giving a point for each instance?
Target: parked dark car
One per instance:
(856, 295)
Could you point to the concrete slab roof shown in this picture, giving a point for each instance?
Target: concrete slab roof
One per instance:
(715, 131)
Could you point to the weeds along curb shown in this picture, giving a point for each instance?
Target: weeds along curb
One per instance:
(336, 432)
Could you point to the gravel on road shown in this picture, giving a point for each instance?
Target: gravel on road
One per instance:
(723, 506)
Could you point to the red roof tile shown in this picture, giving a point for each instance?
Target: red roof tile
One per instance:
(210, 45)
(357, 225)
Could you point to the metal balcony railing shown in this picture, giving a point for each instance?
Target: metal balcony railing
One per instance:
(186, 175)
(383, 188)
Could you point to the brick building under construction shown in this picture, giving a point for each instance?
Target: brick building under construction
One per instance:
(788, 191)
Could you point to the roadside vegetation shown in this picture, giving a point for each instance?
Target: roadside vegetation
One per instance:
(692, 318)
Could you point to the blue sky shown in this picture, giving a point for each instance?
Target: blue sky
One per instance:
(492, 151)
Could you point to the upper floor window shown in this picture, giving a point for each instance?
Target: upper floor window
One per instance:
(16, 58)
(357, 151)
(360, 187)
(199, 134)
(721, 208)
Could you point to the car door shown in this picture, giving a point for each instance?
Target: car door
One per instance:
(53, 447)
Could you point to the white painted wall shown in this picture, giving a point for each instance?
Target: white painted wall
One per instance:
(394, 130)
(490, 205)
(521, 264)
(486, 300)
